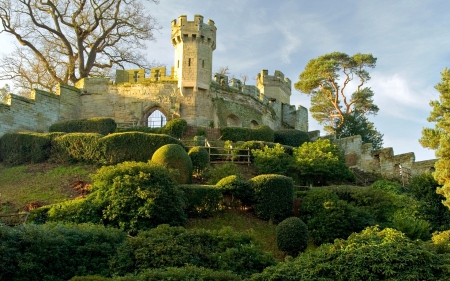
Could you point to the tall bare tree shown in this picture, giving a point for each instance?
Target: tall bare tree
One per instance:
(63, 41)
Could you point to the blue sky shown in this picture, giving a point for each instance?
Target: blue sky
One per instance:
(411, 40)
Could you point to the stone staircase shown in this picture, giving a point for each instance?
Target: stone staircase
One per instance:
(364, 178)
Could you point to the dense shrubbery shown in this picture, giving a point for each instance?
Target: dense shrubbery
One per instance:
(236, 190)
(77, 147)
(56, 252)
(200, 158)
(372, 254)
(271, 160)
(328, 217)
(291, 137)
(274, 197)
(130, 195)
(176, 160)
(320, 162)
(103, 126)
(176, 246)
(175, 128)
(132, 146)
(259, 133)
(218, 172)
(20, 148)
(187, 273)
(201, 200)
(292, 236)
(423, 188)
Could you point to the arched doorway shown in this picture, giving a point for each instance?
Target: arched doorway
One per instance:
(233, 121)
(156, 119)
(253, 124)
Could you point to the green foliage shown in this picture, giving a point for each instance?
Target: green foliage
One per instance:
(99, 125)
(174, 157)
(438, 138)
(291, 137)
(391, 187)
(176, 246)
(423, 187)
(234, 134)
(142, 129)
(328, 217)
(331, 102)
(20, 148)
(201, 200)
(274, 197)
(219, 172)
(236, 188)
(132, 146)
(441, 241)
(56, 252)
(200, 132)
(414, 228)
(199, 157)
(355, 123)
(271, 160)
(199, 141)
(320, 162)
(292, 236)
(175, 128)
(186, 273)
(90, 278)
(76, 147)
(373, 254)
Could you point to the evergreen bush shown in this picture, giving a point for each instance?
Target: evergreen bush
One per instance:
(271, 160)
(292, 236)
(174, 157)
(57, 251)
(291, 137)
(199, 157)
(236, 188)
(21, 148)
(99, 125)
(260, 133)
(175, 128)
(201, 200)
(132, 146)
(274, 197)
(77, 147)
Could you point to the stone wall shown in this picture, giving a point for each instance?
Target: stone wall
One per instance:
(381, 161)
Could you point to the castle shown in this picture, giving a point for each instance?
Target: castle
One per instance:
(190, 92)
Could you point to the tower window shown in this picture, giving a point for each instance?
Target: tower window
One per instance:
(178, 66)
(203, 63)
(194, 36)
(136, 76)
(189, 62)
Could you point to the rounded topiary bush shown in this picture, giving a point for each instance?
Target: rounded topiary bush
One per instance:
(174, 157)
(199, 157)
(236, 188)
(273, 197)
(175, 127)
(292, 236)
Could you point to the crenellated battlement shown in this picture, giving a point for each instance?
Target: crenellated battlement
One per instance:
(136, 76)
(275, 80)
(194, 31)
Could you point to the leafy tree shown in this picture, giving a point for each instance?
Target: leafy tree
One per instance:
(356, 123)
(330, 101)
(65, 41)
(438, 138)
(319, 162)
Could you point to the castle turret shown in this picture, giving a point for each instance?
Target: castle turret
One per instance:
(194, 42)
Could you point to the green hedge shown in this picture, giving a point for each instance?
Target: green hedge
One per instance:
(132, 146)
(98, 125)
(201, 200)
(187, 273)
(165, 246)
(261, 133)
(274, 197)
(291, 137)
(21, 148)
(236, 190)
(261, 144)
(77, 147)
(175, 128)
(56, 252)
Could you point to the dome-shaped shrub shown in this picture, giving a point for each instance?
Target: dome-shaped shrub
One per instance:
(175, 127)
(273, 197)
(238, 188)
(292, 236)
(199, 157)
(174, 157)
